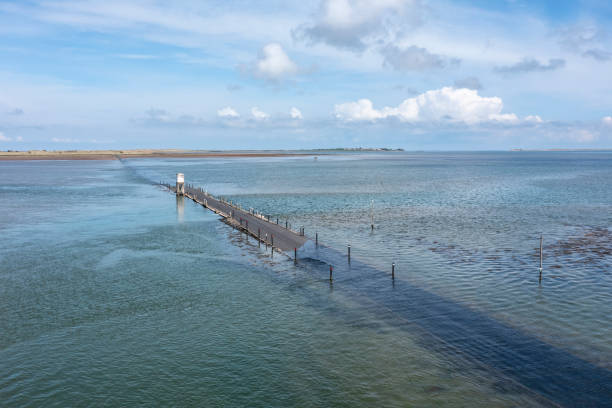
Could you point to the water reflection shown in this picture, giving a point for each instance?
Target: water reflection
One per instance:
(180, 208)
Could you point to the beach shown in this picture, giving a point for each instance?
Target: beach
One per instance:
(132, 154)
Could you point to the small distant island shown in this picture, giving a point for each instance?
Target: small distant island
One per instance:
(166, 153)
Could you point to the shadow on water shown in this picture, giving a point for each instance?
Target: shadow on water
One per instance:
(450, 328)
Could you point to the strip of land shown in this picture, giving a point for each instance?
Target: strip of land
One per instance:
(138, 153)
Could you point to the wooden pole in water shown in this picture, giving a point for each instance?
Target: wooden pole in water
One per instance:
(272, 238)
(393, 271)
(541, 240)
(316, 239)
(259, 236)
(295, 256)
(331, 270)
(349, 253)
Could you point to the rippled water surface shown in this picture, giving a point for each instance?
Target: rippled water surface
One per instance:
(115, 292)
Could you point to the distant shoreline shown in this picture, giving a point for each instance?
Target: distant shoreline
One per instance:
(168, 153)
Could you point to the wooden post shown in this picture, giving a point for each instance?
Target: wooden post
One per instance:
(393, 271)
(286, 222)
(349, 253)
(316, 239)
(272, 238)
(259, 236)
(276, 220)
(541, 239)
(331, 270)
(295, 256)
(266, 241)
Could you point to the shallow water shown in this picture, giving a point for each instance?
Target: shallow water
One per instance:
(113, 292)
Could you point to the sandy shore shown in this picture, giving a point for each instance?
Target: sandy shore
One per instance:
(130, 154)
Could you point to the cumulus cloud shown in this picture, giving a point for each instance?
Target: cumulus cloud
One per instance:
(531, 65)
(296, 113)
(445, 104)
(4, 138)
(354, 24)
(258, 114)
(413, 58)
(469, 83)
(227, 112)
(607, 120)
(274, 64)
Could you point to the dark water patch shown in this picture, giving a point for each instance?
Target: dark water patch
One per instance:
(455, 330)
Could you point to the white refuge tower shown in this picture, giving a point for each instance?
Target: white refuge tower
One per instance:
(180, 184)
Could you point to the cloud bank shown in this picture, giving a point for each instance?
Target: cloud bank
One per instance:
(445, 104)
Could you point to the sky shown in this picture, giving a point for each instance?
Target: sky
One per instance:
(412, 74)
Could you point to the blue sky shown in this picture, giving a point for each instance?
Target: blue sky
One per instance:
(323, 73)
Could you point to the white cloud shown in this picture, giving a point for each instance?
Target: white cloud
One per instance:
(258, 114)
(533, 119)
(296, 113)
(445, 104)
(274, 64)
(356, 111)
(354, 24)
(4, 138)
(227, 112)
(19, 139)
(607, 120)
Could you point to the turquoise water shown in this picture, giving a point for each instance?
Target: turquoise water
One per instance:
(114, 292)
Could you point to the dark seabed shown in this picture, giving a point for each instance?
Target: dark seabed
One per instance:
(114, 292)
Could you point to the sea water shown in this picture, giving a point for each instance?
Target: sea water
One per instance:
(115, 292)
